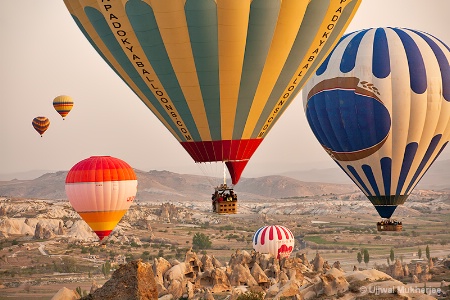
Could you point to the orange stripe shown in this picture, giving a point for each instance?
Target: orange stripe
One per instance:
(102, 216)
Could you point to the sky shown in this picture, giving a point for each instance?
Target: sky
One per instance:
(44, 55)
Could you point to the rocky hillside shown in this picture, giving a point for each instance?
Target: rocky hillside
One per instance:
(258, 276)
(168, 186)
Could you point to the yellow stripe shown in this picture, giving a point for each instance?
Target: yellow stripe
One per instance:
(77, 10)
(232, 34)
(311, 55)
(171, 19)
(102, 226)
(288, 25)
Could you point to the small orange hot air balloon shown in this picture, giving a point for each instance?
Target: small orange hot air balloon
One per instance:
(63, 105)
(101, 189)
(41, 124)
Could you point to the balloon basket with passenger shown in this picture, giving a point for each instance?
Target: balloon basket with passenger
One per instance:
(389, 225)
(224, 200)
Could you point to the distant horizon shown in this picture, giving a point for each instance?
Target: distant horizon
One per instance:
(434, 179)
(257, 172)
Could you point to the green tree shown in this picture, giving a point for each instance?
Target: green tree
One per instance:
(392, 255)
(359, 257)
(427, 252)
(80, 292)
(419, 253)
(201, 241)
(161, 253)
(106, 268)
(366, 257)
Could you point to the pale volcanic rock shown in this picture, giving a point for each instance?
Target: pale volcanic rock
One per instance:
(240, 274)
(289, 290)
(80, 230)
(220, 280)
(318, 263)
(333, 285)
(42, 231)
(396, 270)
(371, 275)
(160, 266)
(65, 294)
(259, 275)
(15, 226)
(207, 263)
(416, 270)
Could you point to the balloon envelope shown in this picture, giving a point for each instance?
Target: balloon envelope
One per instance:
(379, 105)
(274, 239)
(217, 73)
(40, 124)
(101, 189)
(63, 105)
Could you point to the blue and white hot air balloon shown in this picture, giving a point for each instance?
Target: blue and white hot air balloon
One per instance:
(379, 105)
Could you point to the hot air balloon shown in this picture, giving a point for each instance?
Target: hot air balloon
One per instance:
(63, 105)
(379, 106)
(217, 73)
(101, 189)
(274, 239)
(40, 124)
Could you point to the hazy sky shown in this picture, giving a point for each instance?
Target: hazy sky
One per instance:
(44, 55)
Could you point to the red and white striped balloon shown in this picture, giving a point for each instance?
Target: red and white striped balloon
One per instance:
(101, 189)
(274, 239)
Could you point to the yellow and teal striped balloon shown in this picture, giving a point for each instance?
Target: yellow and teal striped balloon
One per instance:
(217, 73)
(63, 105)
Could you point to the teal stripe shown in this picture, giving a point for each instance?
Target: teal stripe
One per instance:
(262, 23)
(143, 21)
(201, 17)
(314, 15)
(88, 37)
(101, 26)
(332, 37)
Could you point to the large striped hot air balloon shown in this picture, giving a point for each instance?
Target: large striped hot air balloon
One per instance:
(101, 189)
(217, 73)
(379, 105)
(63, 105)
(40, 124)
(274, 239)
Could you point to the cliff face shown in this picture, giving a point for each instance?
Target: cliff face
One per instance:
(133, 281)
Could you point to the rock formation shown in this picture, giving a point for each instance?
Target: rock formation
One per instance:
(134, 280)
(43, 232)
(317, 263)
(65, 294)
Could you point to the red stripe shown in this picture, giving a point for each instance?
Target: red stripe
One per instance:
(271, 233)
(102, 234)
(99, 169)
(280, 236)
(235, 153)
(210, 151)
(285, 231)
(241, 149)
(263, 236)
(226, 150)
(218, 149)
